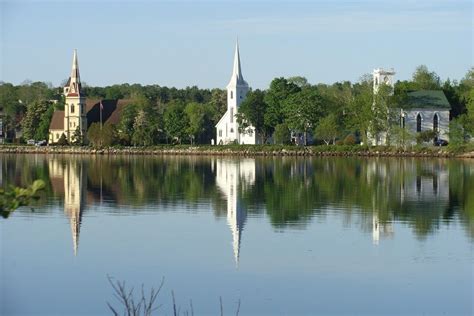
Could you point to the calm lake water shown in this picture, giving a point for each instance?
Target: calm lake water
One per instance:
(284, 236)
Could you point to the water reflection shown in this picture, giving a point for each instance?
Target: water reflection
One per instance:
(232, 177)
(70, 178)
(423, 194)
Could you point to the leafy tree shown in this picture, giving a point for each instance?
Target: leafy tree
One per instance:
(457, 132)
(77, 137)
(282, 134)
(125, 126)
(102, 136)
(197, 117)
(425, 79)
(94, 135)
(36, 121)
(358, 112)
(303, 110)
(217, 104)
(252, 113)
(175, 121)
(108, 135)
(142, 130)
(327, 130)
(280, 89)
(401, 137)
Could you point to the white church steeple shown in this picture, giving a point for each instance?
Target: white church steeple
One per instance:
(237, 78)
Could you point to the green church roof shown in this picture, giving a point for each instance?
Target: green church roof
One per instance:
(426, 99)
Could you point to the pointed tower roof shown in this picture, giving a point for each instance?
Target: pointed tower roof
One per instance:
(74, 82)
(237, 78)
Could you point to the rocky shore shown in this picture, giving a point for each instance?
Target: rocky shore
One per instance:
(243, 151)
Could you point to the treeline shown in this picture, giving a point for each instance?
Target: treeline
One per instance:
(346, 112)
(291, 109)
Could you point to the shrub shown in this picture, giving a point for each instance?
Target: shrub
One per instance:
(425, 136)
(62, 141)
(350, 140)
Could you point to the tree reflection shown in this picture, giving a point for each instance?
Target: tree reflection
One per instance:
(426, 194)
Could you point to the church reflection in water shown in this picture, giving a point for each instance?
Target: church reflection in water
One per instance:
(233, 176)
(384, 192)
(416, 188)
(69, 177)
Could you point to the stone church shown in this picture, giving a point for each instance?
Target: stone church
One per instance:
(227, 129)
(422, 110)
(79, 112)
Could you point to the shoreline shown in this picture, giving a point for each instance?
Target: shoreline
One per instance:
(247, 151)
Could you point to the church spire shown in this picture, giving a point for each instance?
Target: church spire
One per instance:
(74, 82)
(237, 78)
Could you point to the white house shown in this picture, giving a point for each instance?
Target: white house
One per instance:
(227, 129)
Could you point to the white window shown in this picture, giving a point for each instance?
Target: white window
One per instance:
(220, 133)
(232, 115)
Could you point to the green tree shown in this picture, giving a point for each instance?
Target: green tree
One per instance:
(327, 129)
(94, 135)
(282, 134)
(280, 89)
(252, 113)
(142, 130)
(424, 79)
(35, 123)
(303, 110)
(77, 137)
(358, 112)
(197, 117)
(125, 126)
(175, 121)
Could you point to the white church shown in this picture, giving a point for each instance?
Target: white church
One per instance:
(227, 129)
(423, 110)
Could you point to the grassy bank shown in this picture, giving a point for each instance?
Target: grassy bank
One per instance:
(465, 151)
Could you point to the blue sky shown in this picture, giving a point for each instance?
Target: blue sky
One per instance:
(185, 43)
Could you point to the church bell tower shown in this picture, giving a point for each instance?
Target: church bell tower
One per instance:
(75, 104)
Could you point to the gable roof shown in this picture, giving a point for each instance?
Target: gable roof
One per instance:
(110, 113)
(426, 99)
(57, 121)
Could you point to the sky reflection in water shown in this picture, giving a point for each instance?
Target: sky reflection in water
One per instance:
(285, 236)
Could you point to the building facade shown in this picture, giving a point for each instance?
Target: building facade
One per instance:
(74, 115)
(420, 111)
(227, 129)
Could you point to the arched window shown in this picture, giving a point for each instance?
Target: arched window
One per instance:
(436, 123)
(232, 94)
(418, 122)
(72, 108)
(232, 115)
(231, 130)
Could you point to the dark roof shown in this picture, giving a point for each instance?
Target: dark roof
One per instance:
(425, 99)
(111, 112)
(57, 122)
